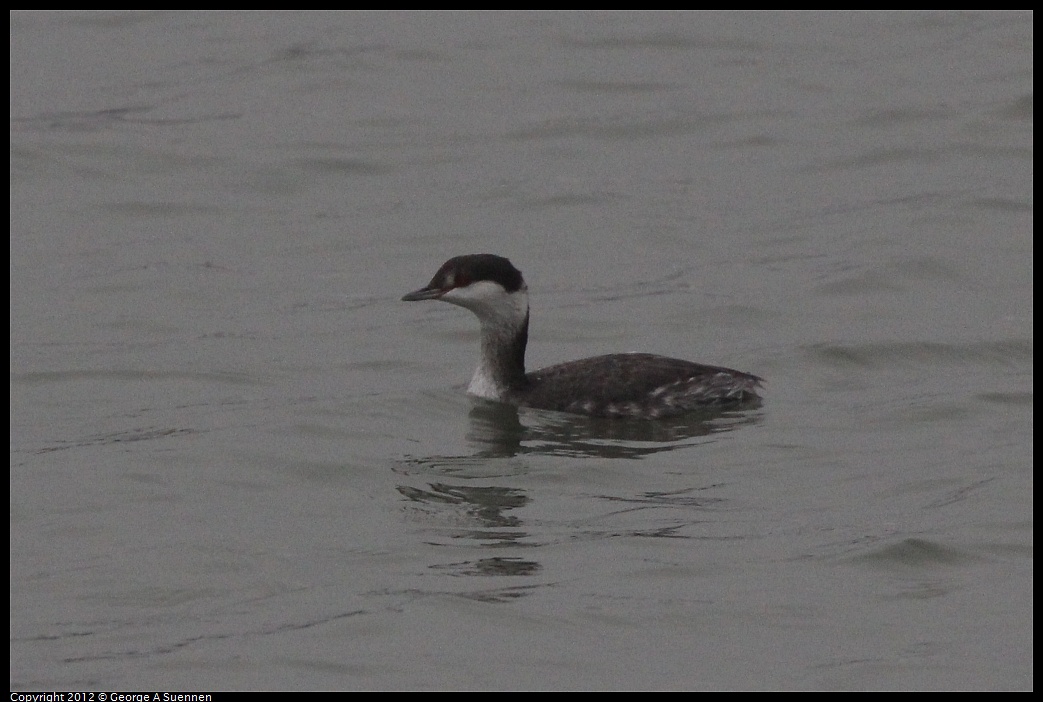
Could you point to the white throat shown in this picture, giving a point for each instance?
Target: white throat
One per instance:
(504, 319)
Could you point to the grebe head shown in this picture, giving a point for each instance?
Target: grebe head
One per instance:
(486, 284)
(494, 290)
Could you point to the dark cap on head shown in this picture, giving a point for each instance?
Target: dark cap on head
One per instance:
(461, 271)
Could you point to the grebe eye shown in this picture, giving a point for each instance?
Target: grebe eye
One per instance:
(462, 281)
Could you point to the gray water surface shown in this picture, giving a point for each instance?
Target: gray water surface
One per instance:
(239, 462)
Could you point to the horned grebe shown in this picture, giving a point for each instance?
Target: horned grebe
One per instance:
(639, 385)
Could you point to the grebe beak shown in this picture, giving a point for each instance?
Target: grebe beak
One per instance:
(428, 293)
